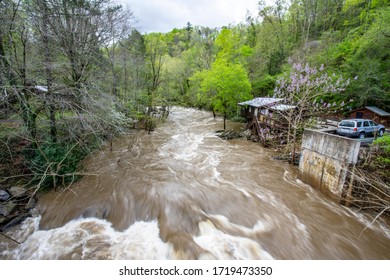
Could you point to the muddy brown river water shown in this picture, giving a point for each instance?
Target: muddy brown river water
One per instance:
(183, 193)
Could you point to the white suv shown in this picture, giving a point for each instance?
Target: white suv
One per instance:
(360, 128)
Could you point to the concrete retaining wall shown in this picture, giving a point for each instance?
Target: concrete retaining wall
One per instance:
(327, 161)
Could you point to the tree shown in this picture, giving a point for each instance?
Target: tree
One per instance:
(155, 50)
(41, 13)
(231, 50)
(51, 54)
(133, 77)
(307, 88)
(274, 41)
(120, 26)
(369, 60)
(15, 40)
(225, 85)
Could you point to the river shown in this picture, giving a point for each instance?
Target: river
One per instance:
(183, 193)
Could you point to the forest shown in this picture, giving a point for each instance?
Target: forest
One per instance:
(75, 74)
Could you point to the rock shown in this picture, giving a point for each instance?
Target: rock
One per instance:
(247, 134)
(287, 158)
(17, 220)
(228, 135)
(6, 208)
(17, 191)
(4, 195)
(31, 204)
(283, 157)
(2, 219)
(33, 212)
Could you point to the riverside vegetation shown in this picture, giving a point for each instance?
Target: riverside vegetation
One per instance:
(75, 74)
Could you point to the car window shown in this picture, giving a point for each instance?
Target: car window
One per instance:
(347, 123)
(366, 123)
(359, 124)
(372, 123)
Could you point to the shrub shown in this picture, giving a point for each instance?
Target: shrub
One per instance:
(55, 164)
(382, 145)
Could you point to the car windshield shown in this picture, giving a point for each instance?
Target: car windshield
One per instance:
(347, 123)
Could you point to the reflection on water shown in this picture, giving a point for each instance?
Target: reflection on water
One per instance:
(183, 193)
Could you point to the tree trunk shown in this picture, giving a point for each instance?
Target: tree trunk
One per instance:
(293, 147)
(28, 116)
(49, 75)
(53, 126)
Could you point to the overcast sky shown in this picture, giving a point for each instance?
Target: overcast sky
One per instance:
(164, 15)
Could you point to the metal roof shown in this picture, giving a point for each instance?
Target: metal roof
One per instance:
(261, 101)
(378, 111)
(282, 107)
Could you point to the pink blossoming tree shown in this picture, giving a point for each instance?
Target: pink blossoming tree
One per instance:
(306, 88)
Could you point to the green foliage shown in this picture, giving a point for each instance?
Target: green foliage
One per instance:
(230, 49)
(370, 63)
(224, 86)
(383, 144)
(55, 164)
(380, 160)
(192, 65)
(264, 86)
(360, 50)
(228, 84)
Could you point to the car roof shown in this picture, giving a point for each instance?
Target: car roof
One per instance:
(356, 120)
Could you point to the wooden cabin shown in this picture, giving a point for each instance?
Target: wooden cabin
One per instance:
(266, 117)
(372, 113)
(250, 109)
(276, 116)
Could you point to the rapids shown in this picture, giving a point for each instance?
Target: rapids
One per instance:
(183, 193)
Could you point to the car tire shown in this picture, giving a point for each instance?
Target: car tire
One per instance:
(381, 132)
(362, 135)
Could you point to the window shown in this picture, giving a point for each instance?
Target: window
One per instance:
(359, 115)
(372, 123)
(347, 124)
(359, 124)
(366, 123)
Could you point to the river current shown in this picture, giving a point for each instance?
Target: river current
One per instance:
(183, 193)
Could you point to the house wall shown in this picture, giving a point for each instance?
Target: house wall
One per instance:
(363, 114)
(247, 112)
(326, 163)
(367, 114)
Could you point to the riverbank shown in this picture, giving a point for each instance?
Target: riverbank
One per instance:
(181, 192)
(16, 204)
(371, 177)
(27, 172)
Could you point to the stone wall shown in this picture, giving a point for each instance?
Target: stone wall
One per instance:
(327, 161)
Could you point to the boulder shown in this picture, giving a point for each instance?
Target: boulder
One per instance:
(15, 221)
(6, 208)
(17, 191)
(4, 195)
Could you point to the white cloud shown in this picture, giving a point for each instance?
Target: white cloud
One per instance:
(164, 15)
